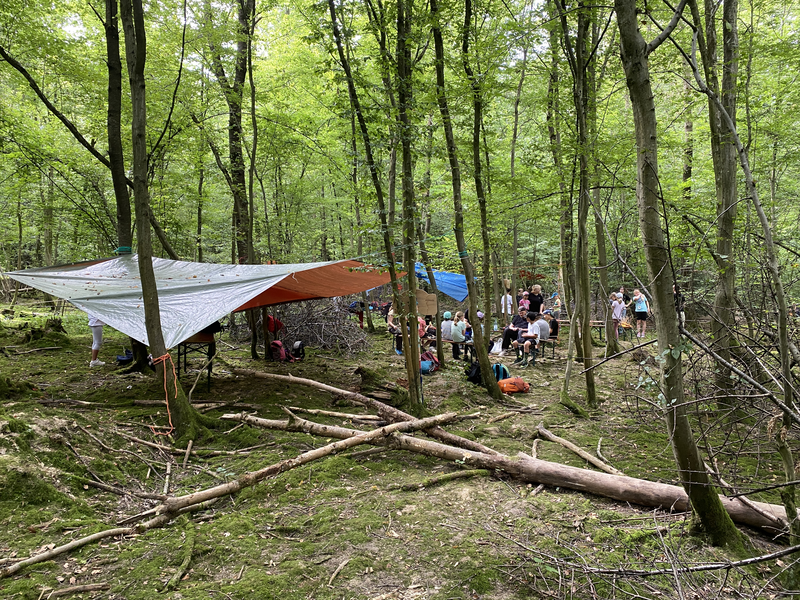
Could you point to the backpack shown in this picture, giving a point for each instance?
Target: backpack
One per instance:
(430, 357)
(298, 350)
(500, 372)
(473, 373)
(278, 352)
(512, 385)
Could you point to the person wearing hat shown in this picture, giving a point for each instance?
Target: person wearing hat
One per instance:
(556, 306)
(447, 326)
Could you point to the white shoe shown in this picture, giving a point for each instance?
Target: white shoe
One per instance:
(96, 363)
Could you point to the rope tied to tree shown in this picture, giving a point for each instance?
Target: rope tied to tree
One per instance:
(163, 359)
(463, 254)
(123, 250)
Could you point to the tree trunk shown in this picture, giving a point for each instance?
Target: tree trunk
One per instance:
(705, 502)
(183, 417)
(455, 173)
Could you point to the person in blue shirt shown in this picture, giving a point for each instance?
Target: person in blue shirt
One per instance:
(641, 309)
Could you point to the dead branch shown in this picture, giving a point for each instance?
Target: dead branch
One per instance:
(530, 470)
(778, 522)
(432, 481)
(174, 506)
(188, 549)
(333, 413)
(582, 453)
(77, 589)
(38, 350)
(385, 411)
(503, 416)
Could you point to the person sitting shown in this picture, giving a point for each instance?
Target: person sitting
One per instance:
(447, 325)
(394, 329)
(525, 338)
(553, 322)
(458, 332)
(511, 332)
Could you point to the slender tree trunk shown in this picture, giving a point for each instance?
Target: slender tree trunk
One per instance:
(705, 502)
(455, 173)
(183, 417)
(373, 169)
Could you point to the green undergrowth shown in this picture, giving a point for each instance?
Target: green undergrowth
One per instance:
(343, 526)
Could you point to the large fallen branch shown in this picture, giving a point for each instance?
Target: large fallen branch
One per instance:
(388, 413)
(175, 506)
(531, 470)
(547, 435)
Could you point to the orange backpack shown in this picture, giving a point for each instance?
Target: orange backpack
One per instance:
(512, 385)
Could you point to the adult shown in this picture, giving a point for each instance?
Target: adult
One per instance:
(556, 306)
(617, 311)
(394, 328)
(96, 327)
(641, 309)
(524, 339)
(680, 303)
(510, 333)
(536, 299)
(507, 305)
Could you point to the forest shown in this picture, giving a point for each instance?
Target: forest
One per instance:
(579, 146)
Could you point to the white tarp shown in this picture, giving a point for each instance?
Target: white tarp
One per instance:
(191, 295)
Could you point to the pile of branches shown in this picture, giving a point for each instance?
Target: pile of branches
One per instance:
(324, 323)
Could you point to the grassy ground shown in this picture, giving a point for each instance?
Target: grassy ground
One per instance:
(342, 527)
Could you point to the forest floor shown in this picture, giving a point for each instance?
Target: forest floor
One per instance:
(358, 525)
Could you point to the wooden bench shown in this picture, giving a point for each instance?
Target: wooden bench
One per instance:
(199, 343)
(552, 342)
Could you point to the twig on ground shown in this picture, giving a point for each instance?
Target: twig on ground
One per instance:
(77, 589)
(432, 481)
(338, 570)
(188, 549)
(38, 350)
(582, 453)
(188, 452)
(503, 416)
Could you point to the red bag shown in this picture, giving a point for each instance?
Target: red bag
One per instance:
(430, 356)
(513, 385)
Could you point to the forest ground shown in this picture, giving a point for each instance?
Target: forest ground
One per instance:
(344, 526)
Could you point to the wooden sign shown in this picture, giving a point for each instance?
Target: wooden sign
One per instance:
(426, 303)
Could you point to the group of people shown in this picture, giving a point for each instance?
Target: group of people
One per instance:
(620, 302)
(525, 334)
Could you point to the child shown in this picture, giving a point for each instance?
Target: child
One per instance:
(641, 308)
(458, 331)
(617, 311)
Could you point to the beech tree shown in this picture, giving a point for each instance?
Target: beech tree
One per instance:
(635, 53)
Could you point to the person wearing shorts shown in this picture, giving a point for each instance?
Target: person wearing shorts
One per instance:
(641, 309)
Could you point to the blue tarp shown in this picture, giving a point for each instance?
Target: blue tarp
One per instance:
(451, 284)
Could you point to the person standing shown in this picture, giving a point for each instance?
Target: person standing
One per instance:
(556, 306)
(626, 300)
(617, 311)
(641, 308)
(525, 302)
(507, 306)
(680, 303)
(536, 299)
(96, 326)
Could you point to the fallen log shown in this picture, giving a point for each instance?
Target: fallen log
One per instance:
(531, 470)
(388, 413)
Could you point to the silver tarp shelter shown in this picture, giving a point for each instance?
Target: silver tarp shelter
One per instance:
(192, 295)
